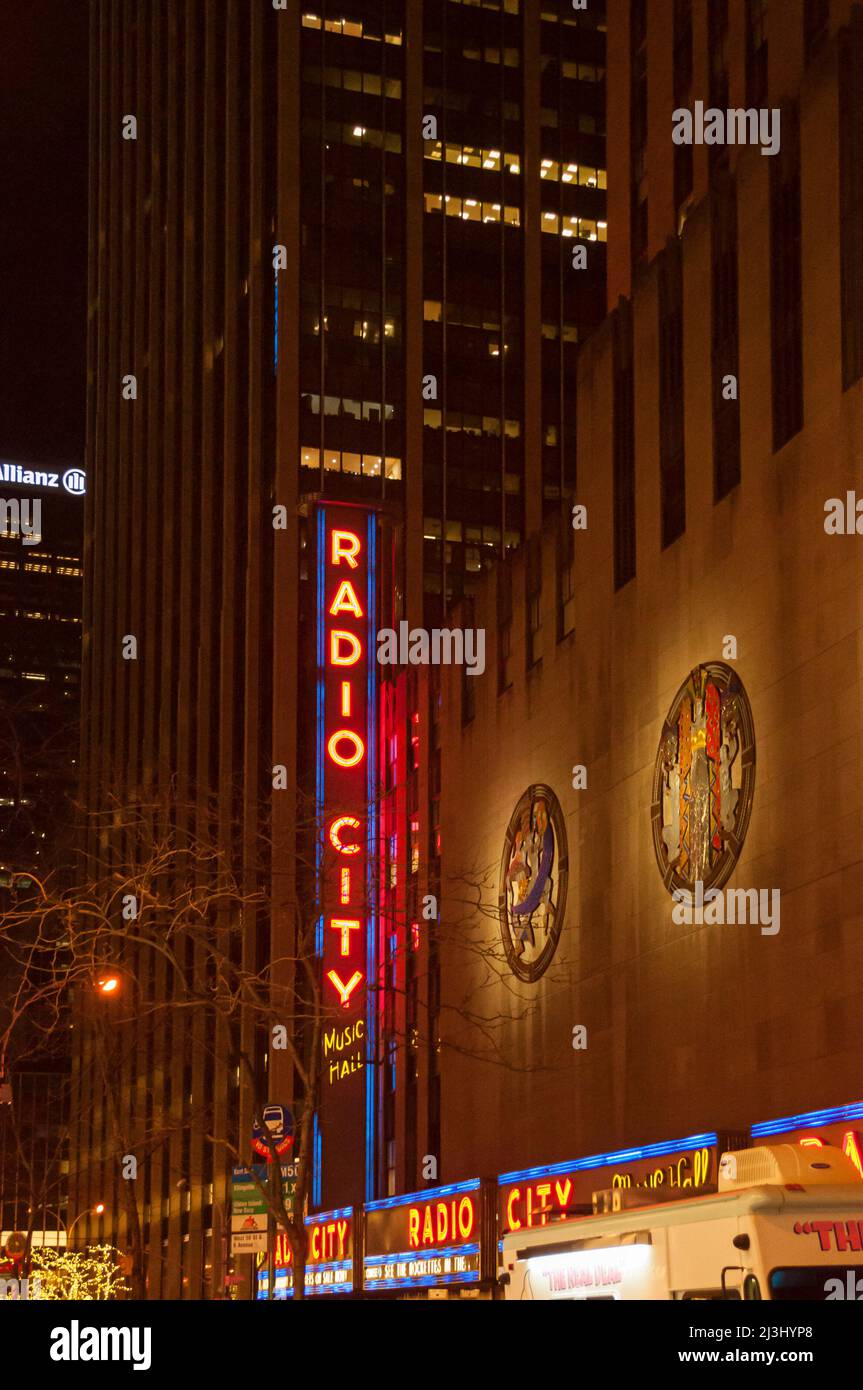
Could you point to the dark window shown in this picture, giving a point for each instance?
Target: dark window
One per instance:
(533, 601)
(851, 202)
(816, 23)
(786, 284)
(504, 628)
(468, 681)
(565, 574)
(638, 127)
(683, 154)
(672, 461)
(638, 22)
(717, 37)
(756, 52)
(624, 448)
(725, 342)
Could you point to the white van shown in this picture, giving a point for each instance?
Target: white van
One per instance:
(786, 1223)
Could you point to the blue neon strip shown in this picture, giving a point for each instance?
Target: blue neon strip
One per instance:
(811, 1119)
(276, 325)
(317, 1176)
(427, 1281)
(432, 1252)
(695, 1141)
(326, 1216)
(429, 1195)
(282, 1272)
(316, 1160)
(371, 854)
(320, 789)
(284, 1288)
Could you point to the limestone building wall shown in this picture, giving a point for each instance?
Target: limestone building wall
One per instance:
(689, 1028)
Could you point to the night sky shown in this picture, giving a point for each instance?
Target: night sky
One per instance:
(43, 234)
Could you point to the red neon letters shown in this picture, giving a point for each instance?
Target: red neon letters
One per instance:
(441, 1223)
(345, 753)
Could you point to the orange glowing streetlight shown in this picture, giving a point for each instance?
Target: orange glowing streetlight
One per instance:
(90, 1211)
(108, 984)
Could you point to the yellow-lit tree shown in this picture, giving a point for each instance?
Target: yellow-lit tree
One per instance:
(92, 1274)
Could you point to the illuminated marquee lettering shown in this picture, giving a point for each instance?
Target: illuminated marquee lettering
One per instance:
(346, 600)
(441, 1223)
(850, 1143)
(356, 746)
(442, 1236)
(329, 1267)
(337, 1043)
(340, 640)
(345, 545)
(346, 746)
(345, 925)
(688, 1171)
(336, 834)
(533, 1202)
(852, 1147)
(344, 991)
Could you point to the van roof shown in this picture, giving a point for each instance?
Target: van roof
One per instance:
(765, 1200)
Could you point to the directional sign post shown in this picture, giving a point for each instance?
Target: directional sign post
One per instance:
(248, 1214)
(277, 1122)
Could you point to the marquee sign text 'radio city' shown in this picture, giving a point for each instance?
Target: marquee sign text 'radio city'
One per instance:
(345, 709)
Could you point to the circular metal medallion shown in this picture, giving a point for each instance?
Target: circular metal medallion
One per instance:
(533, 876)
(704, 780)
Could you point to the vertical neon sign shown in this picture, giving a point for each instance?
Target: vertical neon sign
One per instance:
(346, 761)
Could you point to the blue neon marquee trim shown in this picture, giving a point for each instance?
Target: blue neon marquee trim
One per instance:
(317, 1154)
(276, 325)
(386, 1203)
(287, 1291)
(371, 855)
(316, 1160)
(695, 1141)
(810, 1119)
(427, 1281)
(437, 1252)
(282, 1271)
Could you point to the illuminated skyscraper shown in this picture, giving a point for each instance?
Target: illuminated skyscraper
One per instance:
(333, 257)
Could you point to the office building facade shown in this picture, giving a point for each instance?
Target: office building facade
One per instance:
(699, 668)
(332, 262)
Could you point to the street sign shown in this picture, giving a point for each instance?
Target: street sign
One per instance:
(248, 1214)
(277, 1122)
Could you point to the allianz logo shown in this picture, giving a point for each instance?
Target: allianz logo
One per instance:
(74, 480)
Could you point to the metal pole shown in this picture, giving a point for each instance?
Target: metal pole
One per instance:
(271, 1256)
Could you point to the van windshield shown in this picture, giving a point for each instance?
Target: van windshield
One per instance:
(815, 1283)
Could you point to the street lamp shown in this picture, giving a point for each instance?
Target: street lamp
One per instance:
(90, 1211)
(31, 878)
(108, 984)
